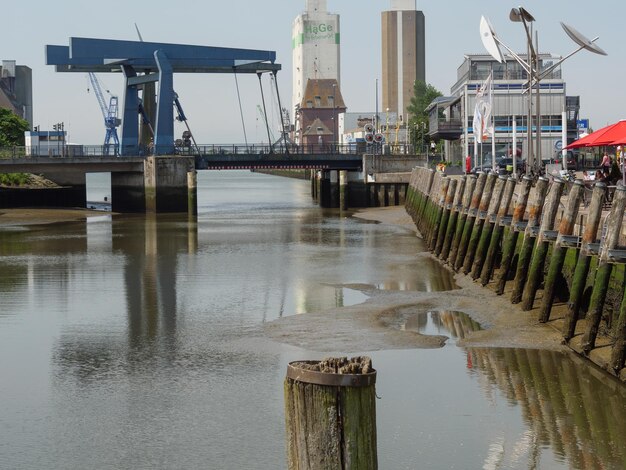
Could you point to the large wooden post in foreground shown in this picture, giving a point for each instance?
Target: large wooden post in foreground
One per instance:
(330, 414)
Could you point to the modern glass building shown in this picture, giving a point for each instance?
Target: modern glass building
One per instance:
(451, 117)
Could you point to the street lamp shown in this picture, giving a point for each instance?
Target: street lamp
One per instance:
(492, 44)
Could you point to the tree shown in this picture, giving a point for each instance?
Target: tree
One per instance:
(423, 95)
(12, 128)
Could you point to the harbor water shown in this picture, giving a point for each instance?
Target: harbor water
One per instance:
(137, 342)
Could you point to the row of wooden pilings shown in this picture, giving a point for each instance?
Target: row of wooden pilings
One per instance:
(498, 230)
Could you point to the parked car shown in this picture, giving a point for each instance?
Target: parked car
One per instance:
(504, 166)
(572, 160)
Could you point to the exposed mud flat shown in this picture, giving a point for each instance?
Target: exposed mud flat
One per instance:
(29, 216)
(370, 326)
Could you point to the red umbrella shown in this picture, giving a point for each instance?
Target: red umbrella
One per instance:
(613, 134)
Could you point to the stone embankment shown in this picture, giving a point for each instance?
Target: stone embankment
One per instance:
(553, 247)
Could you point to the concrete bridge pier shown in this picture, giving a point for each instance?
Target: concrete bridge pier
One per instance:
(328, 188)
(343, 190)
(334, 188)
(127, 192)
(166, 184)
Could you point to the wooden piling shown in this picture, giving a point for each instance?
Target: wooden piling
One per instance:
(458, 230)
(535, 209)
(508, 249)
(618, 354)
(488, 225)
(579, 280)
(566, 228)
(427, 219)
(604, 269)
(479, 221)
(498, 232)
(427, 181)
(330, 414)
(445, 218)
(469, 221)
(444, 184)
(457, 207)
(535, 272)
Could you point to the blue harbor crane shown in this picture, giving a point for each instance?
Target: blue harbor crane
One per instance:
(111, 121)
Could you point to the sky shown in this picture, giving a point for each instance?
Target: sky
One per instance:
(210, 101)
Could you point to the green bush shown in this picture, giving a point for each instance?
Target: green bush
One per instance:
(13, 179)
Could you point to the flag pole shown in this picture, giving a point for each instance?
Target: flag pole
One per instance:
(493, 125)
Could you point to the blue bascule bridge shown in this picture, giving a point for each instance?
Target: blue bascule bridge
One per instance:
(148, 111)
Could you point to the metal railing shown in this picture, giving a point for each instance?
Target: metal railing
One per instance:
(206, 150)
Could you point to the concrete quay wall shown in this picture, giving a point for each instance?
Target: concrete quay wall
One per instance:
(152, 184)
(554, 248)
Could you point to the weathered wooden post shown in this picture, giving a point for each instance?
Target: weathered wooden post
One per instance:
(534, 216)
(542, 243)
(457, 207)
(479, 221)
(489, 219)
(498, 231)
(559, 250)
(431, 209)
(604, 269)
(427, 184)
(330, 414)
(458, 231)
(469, 221)
(445, 218)
(579, 280)
(439, 209)
(413, 194)
(508, 249)
(618, 354)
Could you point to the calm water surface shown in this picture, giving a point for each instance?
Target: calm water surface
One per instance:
(132, 342)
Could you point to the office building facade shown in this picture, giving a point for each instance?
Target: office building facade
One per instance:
(451, 118)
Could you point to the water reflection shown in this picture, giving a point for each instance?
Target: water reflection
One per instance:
(146, 334)
(576, 410)
(434, 322)
(151, 247)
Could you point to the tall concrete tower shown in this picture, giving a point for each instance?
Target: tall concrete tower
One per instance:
(404, 54)
(315, 45)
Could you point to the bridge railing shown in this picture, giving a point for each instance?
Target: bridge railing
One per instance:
(61, 151)
(205, 150)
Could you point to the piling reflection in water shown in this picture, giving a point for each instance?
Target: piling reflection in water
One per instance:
(581, 416)
(435, 322)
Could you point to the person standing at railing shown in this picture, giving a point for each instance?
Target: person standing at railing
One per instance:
(606, 162)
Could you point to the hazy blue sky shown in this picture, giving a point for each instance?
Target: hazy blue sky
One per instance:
(210, 101)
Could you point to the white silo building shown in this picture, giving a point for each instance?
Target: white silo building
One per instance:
(315, 45)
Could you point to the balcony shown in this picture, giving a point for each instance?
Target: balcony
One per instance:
(450, 129)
